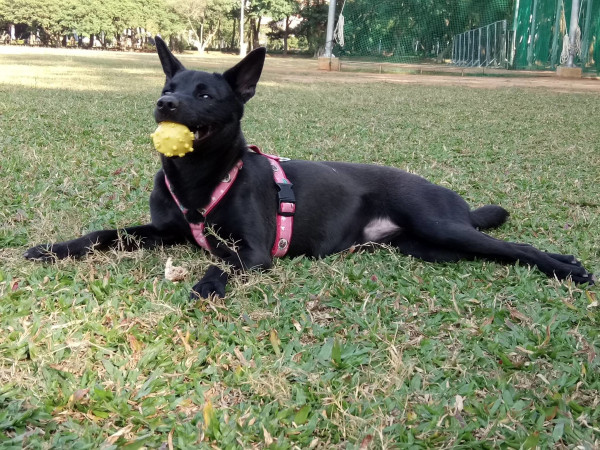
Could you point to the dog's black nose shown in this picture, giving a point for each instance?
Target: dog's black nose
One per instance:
(167, 102)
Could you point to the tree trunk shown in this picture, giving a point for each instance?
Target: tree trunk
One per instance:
(286, 34)
(251, 37)
(255, 27)
(202, 44)
(232, 43)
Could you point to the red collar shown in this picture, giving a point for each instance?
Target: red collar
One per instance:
(285, 211)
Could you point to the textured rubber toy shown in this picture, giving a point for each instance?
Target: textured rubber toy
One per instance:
(173, 139)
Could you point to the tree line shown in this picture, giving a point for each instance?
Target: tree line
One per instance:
(197, 23)
(384, 27)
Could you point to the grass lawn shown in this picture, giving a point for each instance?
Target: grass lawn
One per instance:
(359, 350)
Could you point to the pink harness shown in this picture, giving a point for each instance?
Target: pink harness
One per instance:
(285, 211)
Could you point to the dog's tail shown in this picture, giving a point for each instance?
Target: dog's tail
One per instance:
(488, 216)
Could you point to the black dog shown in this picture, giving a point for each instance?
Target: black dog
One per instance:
(338, 205)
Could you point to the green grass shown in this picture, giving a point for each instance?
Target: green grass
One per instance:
(358, 350)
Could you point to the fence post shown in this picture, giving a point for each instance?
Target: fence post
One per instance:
(472, 41)
(572, 28)
(330, 23)
(585, 35)
(453, 50)
(479, 48)
(487, 45)
(532, 30)
(554, 52)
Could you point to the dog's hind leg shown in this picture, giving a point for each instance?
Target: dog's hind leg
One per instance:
(463, 238)
(416, 246)
(130, 238)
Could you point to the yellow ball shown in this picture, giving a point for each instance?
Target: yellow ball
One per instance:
(173, 139)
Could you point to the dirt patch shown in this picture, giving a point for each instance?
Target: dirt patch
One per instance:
(305, 71)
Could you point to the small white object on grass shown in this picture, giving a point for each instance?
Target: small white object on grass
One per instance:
(174, 273)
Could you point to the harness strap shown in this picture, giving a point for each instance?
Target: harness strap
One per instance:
(287, 205)
(285, 211)
(219, 192)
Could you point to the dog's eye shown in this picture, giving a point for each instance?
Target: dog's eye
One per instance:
(204, 96)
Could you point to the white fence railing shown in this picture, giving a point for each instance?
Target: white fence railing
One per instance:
(487, 46)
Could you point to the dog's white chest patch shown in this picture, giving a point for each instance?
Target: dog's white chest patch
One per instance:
(378, 229)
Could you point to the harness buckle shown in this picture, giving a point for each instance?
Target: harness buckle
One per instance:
(286, 200)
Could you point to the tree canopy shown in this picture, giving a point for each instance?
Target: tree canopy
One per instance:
(371, 27)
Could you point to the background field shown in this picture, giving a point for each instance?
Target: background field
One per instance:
(372, 350)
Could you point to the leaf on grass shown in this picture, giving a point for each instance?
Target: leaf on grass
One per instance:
(275, 342)
(547, 340)
(487, 321)
(532, 440)
(516, 314)
(267, 436)
(297, 325)
(134, 344)
(184, 339)
(211, 424)
(336, 353)
(138, 443)
(587, 350)
(576, 407)
(170, 439)
(115, 436)
(592, 299)
(240, 356)
(80, 396)
(459, 418)
(510, 325)
(415, 383)
(551, 413)
(558, 432)
(507, 398)
(569, 305)
(364, 444)
(459, 403)
(302, 415)
(100, 414)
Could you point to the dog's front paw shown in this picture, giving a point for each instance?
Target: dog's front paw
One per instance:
(61, 250)
(46, 252)
(206, 289)
(212, 283)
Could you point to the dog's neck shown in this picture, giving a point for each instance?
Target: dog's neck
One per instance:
(195, 176)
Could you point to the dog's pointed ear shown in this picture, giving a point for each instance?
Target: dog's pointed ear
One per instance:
(170, 64)
(244, 76)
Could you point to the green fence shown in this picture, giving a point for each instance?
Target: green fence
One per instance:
(410, 30)
(540, 27)
(423, 30)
